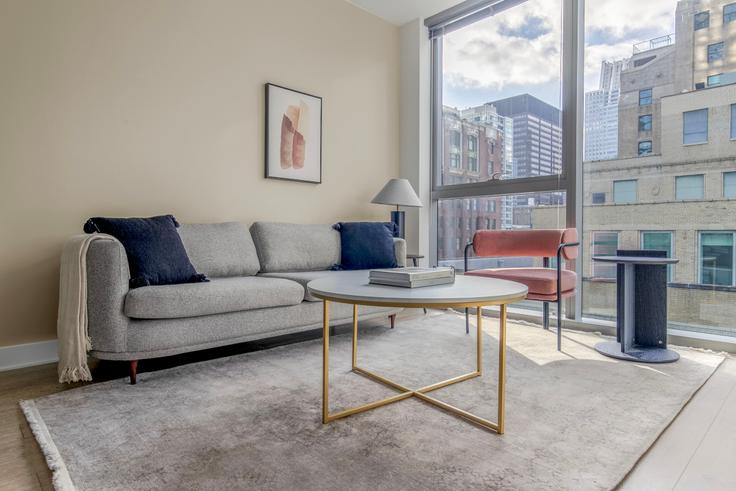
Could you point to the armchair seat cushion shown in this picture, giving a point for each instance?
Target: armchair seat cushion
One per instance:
(218, 296)
(540, 281)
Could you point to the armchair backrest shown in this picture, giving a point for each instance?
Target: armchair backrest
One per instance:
(525, 243)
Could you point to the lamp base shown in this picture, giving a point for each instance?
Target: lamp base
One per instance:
(397, 217)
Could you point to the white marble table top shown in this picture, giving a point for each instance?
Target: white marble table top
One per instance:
(353, 287)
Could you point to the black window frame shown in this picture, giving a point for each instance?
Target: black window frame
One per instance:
(472, 143)
(722, 45)
(639, 147)
(648, 98)
(729, 17)
(698, 25)
(598, 198)
(709, 77)
(645, 123)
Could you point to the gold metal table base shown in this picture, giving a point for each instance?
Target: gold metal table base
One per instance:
(421, 393)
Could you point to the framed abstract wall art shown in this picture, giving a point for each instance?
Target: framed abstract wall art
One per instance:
(293, 135)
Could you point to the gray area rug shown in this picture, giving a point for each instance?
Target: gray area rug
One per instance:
(575, 420)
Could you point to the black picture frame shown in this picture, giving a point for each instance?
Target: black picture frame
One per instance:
(268, 162)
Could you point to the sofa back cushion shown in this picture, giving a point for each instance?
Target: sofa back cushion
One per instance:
(294, 247)
(220, 249)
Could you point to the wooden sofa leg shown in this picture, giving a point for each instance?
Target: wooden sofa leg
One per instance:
(393, 320)
(133, 371)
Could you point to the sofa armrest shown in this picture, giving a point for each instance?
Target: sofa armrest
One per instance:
(108, 277)
(400, 251)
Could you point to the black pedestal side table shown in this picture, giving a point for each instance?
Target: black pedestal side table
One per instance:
(642, 308)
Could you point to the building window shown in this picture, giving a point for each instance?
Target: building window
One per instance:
(716, 258)
(729, 184)
(645, 123)
(689, 187)
(473, 164)
(472, 143)
(599, 198)
(624, 191)
(645, 147)
(702, 20)
(455, 160)
(695, 127)
(729, 13)
(714, 80)
(658, 241)
(733, 121)
(645, 97)
(604, 244)
(455, 138)
(715, 52)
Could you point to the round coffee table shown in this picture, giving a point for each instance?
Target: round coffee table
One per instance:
(465, 292)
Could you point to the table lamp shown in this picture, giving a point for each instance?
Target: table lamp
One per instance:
(398, 192)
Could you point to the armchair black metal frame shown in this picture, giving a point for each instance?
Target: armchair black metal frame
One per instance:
(545, 307)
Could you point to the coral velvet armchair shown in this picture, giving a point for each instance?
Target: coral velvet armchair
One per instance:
(545, 284)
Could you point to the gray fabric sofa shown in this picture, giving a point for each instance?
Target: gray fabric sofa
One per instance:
(257, 289)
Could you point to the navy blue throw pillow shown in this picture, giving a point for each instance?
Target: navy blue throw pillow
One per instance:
(366, 245)
(156, 254)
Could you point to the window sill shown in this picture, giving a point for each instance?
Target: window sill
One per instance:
(694, 144)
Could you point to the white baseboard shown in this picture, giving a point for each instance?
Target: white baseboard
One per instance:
(28, 355)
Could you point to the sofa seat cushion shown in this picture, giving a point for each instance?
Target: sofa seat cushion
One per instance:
(304, 277)
(540, 281)
(218, 296)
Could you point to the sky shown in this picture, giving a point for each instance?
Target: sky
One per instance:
(519, 50)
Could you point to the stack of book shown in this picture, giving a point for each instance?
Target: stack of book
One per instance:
(412, 277)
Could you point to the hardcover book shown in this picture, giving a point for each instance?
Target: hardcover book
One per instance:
(412, 277)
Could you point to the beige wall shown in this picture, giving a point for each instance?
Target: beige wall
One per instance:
(136, 108)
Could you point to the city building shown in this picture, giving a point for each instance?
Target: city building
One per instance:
(487, 114)
(648, 77)
(473, 151)
(682, 201)
(537, 149)
(701, 54)
(537, 145)
(601, 113)
(706, 44)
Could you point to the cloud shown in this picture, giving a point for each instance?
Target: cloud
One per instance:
(495, 52)
(532, 28)
(521, 47)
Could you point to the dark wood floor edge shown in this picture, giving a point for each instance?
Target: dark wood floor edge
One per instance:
(667, 426)
(61, 479)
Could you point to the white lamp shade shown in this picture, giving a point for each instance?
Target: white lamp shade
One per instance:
(397, 192)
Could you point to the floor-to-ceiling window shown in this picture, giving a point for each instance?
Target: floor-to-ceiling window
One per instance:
(632, 142)
(499, 153)
(665, 68)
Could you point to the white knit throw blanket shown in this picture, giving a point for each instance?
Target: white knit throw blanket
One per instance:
(71, 325)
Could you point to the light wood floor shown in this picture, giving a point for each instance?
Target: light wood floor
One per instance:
(698, 451)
